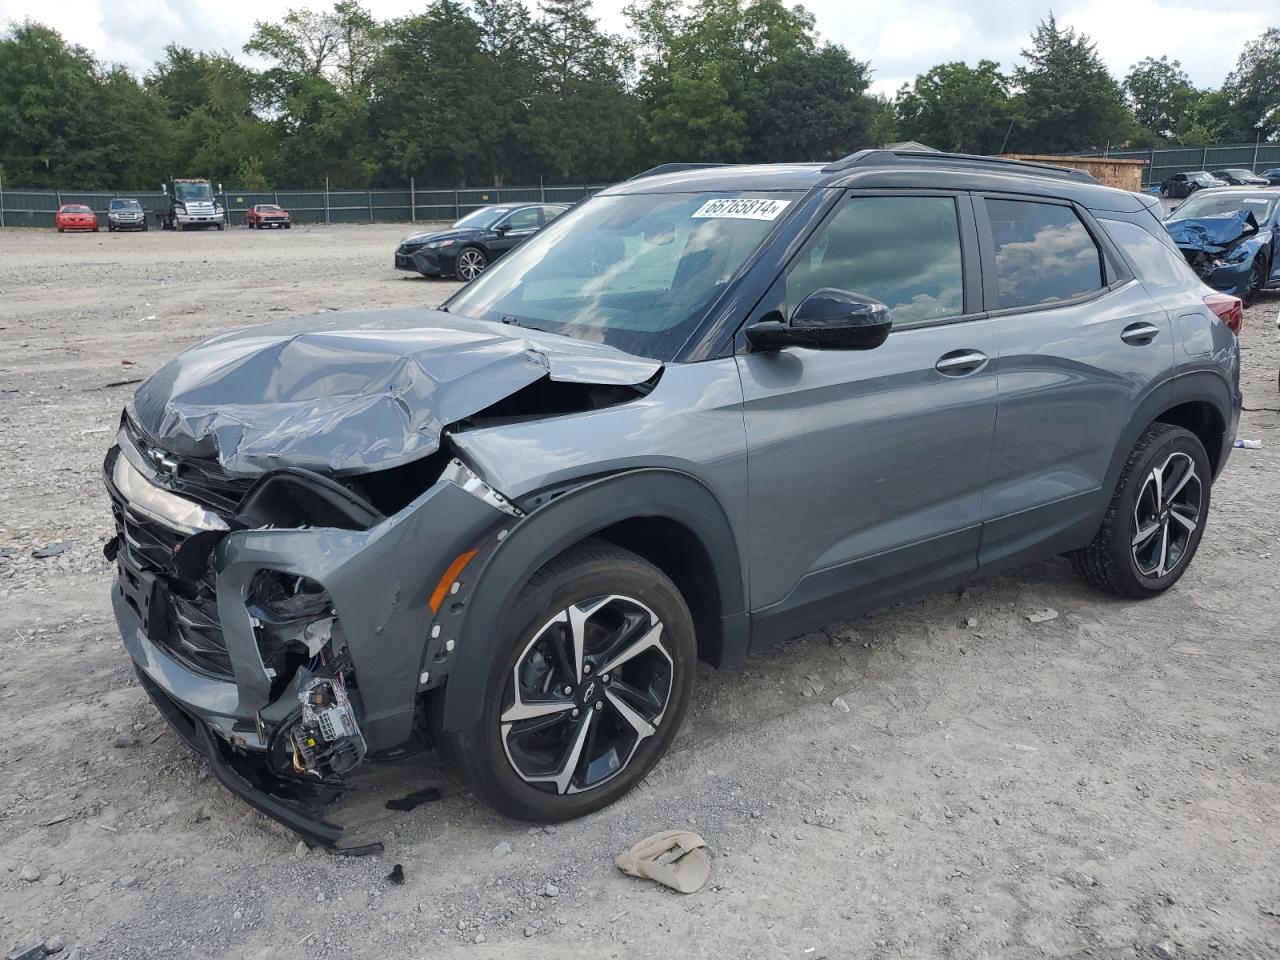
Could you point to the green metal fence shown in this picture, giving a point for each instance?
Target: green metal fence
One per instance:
(1162, 164)
(36, 208)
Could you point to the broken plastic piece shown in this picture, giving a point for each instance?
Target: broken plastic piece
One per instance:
(674, 858)
(417, 798)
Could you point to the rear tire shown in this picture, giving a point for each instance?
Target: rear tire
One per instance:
(1156, 517)
(588, 733)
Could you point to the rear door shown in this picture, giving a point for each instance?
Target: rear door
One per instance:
(866, 468)
(1081, 344)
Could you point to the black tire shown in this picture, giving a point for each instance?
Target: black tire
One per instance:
(286, 226)
(221, 225)
(584, 574)
(469, 264)
(1257, 280)
(1121, 562)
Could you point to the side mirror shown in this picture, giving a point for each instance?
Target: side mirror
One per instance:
(502, 229)
(827, 319)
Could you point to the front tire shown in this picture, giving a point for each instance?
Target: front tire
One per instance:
(1155, 519)
(591, 681)
(470, 264)
(1257, 279)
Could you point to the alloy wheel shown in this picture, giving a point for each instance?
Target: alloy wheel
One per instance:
(587, 690)
(1165, 515)
(470, 264)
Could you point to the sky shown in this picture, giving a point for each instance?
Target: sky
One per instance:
(901, 40)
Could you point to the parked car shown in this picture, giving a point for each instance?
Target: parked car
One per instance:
(1185, 184)
(465, 249)
(700, 412)
(1272, 176)
(75, 216)
(1231, 238)
(126, 214)
(266, 215)
(1240, 177)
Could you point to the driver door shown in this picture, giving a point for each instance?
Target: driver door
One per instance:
(866, 469)
(514, 228)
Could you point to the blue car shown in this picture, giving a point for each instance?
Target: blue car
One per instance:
(1230, 238)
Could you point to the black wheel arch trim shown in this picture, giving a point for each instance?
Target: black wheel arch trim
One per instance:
(1199, 386)
(576, 515)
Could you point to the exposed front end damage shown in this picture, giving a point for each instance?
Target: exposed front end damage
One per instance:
(1221, 249)
(283, 617)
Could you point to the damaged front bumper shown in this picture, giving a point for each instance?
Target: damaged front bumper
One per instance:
(285, 654)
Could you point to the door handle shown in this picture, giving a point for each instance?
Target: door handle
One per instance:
(1140, 334)
(958, 363)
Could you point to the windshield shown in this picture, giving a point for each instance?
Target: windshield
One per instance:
(268, 208)
(125, 205)
(1238, 173)
(634, 272)
(1213, 204)
(483, 218)
(193, 191)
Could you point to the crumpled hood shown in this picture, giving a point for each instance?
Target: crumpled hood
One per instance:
(1212, 234)
(354, 392)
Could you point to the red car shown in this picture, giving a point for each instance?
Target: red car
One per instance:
(267, 215)
(75, 216)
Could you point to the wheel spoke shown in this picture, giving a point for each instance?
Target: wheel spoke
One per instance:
(1187, 476)
(648, 641)
(531, 711)
(578, 615)
(1145, 534)
(642, 727)
(1187, 522)
(1164, 549)
(562, 779)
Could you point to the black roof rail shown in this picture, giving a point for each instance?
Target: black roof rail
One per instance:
(675, 168)
(894, 157)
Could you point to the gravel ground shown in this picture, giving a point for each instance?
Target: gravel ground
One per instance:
(1105, 784)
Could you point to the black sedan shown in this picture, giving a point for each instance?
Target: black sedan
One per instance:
(482, 236)
(1272, 176)
(1185, 184)
(1240, 177)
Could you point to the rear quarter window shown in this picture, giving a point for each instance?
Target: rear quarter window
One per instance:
(1156, 262)
(1043, 253)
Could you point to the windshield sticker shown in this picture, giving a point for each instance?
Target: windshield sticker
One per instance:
(741, 209)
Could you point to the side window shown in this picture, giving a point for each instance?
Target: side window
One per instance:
(526, 219)
(1043, 253)
(550, 213)
(903, 251)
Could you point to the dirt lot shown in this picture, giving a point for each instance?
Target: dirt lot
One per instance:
(1104, 784)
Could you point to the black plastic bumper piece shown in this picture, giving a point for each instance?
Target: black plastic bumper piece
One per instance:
(196, 734)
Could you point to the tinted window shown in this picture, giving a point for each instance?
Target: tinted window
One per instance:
(1043, 253)
(902, 251)
(526, 219)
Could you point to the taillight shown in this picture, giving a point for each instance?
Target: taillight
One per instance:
(1230, 310)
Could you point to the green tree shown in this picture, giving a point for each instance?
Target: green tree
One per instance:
(957, 107)
(209, 99)
(1067, 99)
(48, 92)
(431, 100)
(582, 117)
(1161, 96)
(1253, 90)
(744, 79)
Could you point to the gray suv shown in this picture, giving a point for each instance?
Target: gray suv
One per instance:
(711, 407)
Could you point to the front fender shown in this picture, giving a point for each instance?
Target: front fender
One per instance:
(476, 619)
